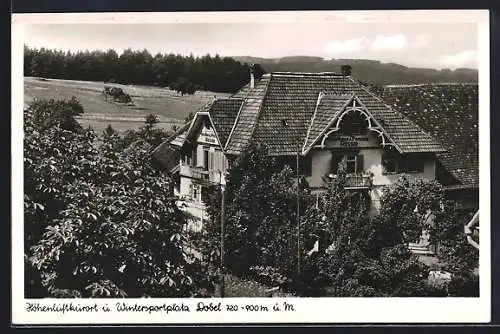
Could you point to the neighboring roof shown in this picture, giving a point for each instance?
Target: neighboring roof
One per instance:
(167, 156)
(450, 114)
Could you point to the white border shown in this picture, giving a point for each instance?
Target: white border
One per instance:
(307, 310)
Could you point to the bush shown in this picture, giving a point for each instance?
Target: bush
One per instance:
(117, 94)
(100, 220)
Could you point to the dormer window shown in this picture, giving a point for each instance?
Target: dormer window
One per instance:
(353, 124)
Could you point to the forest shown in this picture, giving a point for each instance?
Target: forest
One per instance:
(185, 74)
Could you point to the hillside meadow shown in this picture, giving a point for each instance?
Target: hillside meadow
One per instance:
(170, 106)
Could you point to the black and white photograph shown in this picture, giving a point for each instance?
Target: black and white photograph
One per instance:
(254, 155)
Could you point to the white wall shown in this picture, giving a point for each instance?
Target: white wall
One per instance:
(372, 162)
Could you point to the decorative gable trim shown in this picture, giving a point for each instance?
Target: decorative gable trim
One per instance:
(352, 104)
(320, 96)
(194, 121)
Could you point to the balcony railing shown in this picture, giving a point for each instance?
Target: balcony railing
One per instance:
(200, 174)
(355, 181)
(358, 181)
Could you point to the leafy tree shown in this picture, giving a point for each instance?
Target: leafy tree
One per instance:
(100, 220)
(405, 205)
(461, 259)
(367, 256)
(47, 113)
(260, 219)
(109, 131)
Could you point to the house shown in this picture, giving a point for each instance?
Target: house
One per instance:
(322, 118)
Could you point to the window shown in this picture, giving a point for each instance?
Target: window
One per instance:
(206, 158)
(354, 163)
(335, 163)
(389, 163)
(414, 164)
(195, 192)
(186, 159)
(351, 164)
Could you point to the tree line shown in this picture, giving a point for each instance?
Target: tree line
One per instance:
(185, 74)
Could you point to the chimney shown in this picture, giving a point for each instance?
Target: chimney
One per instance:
(345, 70)
(252, 76)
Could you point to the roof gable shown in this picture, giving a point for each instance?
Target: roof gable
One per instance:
(328, 107)
(294, 97)
(328, 116)
(223, 114)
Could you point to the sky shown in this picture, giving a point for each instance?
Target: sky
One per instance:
(415, 44)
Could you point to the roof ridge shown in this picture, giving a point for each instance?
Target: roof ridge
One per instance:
(335, 94)
(292, 73)
(401, 114)
(259, 113)
(265, 83)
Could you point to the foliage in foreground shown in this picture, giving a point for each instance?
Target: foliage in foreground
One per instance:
(367, 255)
(100, 220)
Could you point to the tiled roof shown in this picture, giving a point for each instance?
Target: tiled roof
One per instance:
(246, 121)
(167, 156)
(328, 108)
(178, 138)
(223, 113)
(293, 99)
(450, 114)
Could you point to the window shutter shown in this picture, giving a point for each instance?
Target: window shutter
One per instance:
(359, 163)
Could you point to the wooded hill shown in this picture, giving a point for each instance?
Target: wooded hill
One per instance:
(369, 71)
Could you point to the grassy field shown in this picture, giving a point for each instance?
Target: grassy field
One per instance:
(170, 106)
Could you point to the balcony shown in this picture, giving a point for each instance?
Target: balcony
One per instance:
(200, 174)
(358, 181)
(354, 181)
